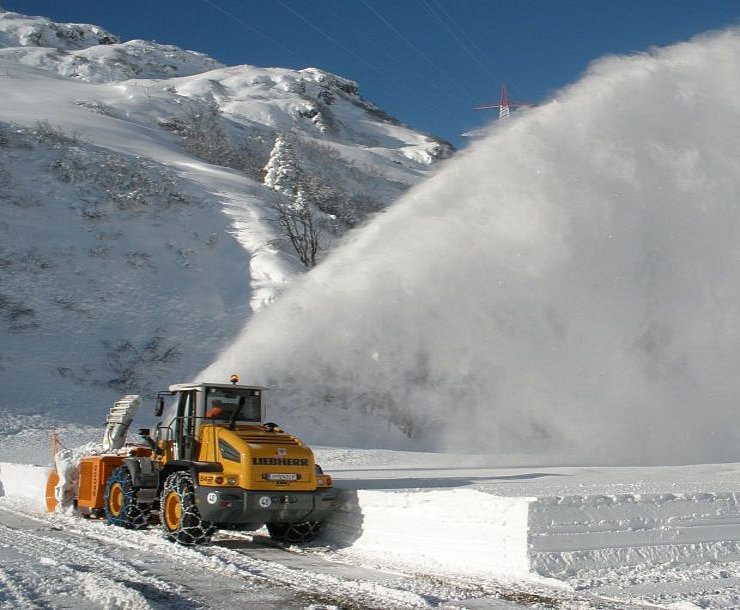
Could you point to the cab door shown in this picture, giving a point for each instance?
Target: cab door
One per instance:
(185, 426)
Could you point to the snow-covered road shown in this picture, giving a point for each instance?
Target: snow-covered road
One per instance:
(414, 531)
(57, 561)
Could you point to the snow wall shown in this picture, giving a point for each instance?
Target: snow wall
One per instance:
(566, 286)
(473, 532)
(24, 482)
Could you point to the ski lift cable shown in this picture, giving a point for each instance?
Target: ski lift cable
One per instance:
(250, 27)
(418, 50)
(349, 51)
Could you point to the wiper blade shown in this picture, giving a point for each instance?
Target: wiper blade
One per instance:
(242, 401)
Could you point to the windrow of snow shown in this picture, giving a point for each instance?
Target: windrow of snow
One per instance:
(461, 531)
(470, 531)
(572, 533)
(25, 483)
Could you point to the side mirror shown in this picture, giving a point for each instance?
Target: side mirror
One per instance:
(159, 409)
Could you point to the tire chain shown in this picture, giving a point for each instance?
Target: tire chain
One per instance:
(133, 516)
(294, 533)
(193, 529)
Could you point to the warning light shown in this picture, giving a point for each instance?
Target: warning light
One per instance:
(234, 379)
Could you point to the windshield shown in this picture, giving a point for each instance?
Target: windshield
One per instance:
(222, 403)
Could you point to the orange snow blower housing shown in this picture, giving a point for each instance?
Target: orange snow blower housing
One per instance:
(215, 465)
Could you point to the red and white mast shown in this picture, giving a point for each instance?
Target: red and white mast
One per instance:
(504, 106)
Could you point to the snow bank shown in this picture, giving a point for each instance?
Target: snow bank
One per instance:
(474, 532)
(24, 482)
(572, 533)
(457, 530)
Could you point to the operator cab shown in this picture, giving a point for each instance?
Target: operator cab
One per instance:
(219, 402)
(198, 404)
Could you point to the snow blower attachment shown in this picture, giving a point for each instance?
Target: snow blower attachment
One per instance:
(214, 463)
(119, 421)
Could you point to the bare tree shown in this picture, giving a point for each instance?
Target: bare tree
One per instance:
(299, 224)
(296, 213)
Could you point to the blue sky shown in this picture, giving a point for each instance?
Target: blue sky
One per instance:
(427, 62)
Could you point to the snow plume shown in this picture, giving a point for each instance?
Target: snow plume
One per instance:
(569, 286)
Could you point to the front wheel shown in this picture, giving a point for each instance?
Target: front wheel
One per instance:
(292, 533)
(120, 503)
(180, 517)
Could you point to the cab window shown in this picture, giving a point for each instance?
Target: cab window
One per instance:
(223, 403)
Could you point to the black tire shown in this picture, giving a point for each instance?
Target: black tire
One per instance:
(294, 533)
(180, 517)
(120, 502)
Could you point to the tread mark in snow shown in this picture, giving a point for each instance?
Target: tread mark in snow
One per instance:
(12, 594)
(81, 569)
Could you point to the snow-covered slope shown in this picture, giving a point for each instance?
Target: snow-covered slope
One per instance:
(137, 229)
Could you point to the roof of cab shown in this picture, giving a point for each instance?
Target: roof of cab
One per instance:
(182, 387)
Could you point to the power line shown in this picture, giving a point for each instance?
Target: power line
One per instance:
(249, 26)
(418, 50)
(413, 73)
(452, 33)
(463, 40)
(345, 48)
(330, 38)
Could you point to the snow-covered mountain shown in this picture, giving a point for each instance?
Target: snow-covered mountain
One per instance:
(142, 193)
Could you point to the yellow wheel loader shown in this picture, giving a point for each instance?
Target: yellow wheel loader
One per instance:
(213, 463)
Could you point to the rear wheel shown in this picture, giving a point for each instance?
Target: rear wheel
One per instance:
(180, 517)
(305, 531)
(120, 503)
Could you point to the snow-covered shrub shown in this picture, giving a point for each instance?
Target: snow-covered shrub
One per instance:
(97, 107)
(203, 134)
(326, 96)
(18, 316)
(108, 183)
(47, 133)
(132, 364)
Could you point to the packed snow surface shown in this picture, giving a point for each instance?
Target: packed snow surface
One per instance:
(577, 537)
(566, 286)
